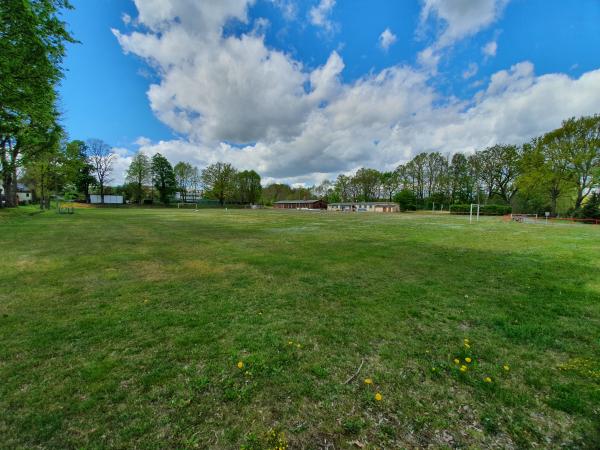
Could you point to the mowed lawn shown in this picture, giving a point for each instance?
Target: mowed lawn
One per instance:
(124, 329)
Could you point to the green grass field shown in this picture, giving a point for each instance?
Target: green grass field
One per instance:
(124, 328)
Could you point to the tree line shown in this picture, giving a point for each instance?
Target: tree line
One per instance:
(219, 181)
(556, 172)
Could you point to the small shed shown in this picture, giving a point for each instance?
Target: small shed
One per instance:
(301, 204)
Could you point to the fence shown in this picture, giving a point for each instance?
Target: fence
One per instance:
(535, 218)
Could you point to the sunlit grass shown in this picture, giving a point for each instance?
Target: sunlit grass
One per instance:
(228, 329)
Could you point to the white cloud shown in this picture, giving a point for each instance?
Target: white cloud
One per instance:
(126, 18)
(471, 71)
(490, 49)
(120, 164)
(454, 20)
(288, 8)
(319, 15)
(234, 99)
(461, 18)
(429, 59)
(386, 39)
(142, 140)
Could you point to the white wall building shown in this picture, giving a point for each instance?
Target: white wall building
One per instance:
(96, 199)
(364, 207)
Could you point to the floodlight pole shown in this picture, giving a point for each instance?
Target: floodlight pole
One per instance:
(477, 212)
(471, 214)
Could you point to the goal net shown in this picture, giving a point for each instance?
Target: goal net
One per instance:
(524, 218)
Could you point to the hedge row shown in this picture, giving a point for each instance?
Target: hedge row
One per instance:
(484, 210)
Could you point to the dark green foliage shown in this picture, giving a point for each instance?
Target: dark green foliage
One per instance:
(219, 181)
(163, 177)
(32, 46)
(591, 209)
(406, 199)
(249, 189)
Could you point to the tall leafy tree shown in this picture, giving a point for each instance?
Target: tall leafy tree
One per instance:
(77, 169)
(219, 181)
(184, 173)
(546, 169)
(390, 182)
(507, 159)
(580, 139)
(342, 187)
(249, 187)
(163, 177)
(369, 183)
(139, 174)
(32, 47)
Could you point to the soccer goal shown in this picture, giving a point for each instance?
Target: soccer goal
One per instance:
(524, 218)
(187, 205)
(474, 208)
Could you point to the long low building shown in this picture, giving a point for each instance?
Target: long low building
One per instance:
(300, 204)
(364, 206)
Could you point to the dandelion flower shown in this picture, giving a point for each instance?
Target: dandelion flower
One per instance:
(467, 345)
(463, 368)
(298, 345)
(240, 365)
(368, 381)
(506, 367)
(456, 361)
(378, 397)
(465, 340)
(468, 360)
(487, 379)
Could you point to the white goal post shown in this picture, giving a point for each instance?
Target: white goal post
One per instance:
(471, 212)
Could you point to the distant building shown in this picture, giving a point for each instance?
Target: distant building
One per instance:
(364, 206)
(300, 204)
(24, 195)
(96, 199)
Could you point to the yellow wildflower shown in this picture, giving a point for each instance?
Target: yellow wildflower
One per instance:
(290, 342)
(378, 397)
(467, 345)
(456, 361)
(487, 379)
(298, 345)
(468, 360)
(240, 365)
(506, 367)
(368, 381)
(463, 368)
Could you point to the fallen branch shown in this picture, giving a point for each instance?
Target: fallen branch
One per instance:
(362, 361)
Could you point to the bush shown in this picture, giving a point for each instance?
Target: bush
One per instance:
(406, 199)
(591, 209)
(484, 210)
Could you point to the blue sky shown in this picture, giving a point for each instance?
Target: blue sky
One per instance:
(445, 78)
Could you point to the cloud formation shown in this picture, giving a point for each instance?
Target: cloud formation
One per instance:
(237, 100)
(319, 15)
(490, 49)
(454, 20)
(386, 39)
